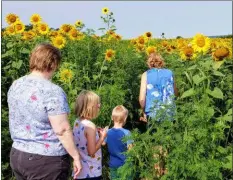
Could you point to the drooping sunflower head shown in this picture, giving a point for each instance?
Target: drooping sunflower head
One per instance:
(141, 40)
(66, 75)
(148, 35)
(35, 19)
(200, 43)
(28, 35)
(59, 42)
(109, 54)
(117, 37)
(78, 23)
(165, 44)
(65, 28)
(10, 30)
(43, 28)
(105, 10)
(12, 18)
(187, 53)
(73, 34)
(53, 34)
(19, 27)
(150, 49)
(221, 53)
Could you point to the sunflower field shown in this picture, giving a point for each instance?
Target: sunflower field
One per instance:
(197, 145)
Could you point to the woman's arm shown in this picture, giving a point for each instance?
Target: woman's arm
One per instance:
(92, 145)
(61, 127)
(142, 95)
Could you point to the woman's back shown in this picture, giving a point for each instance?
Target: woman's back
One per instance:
(159, 88)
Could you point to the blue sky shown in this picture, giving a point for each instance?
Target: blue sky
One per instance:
(133, 18)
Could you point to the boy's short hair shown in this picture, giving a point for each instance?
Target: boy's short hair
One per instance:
(87, 105)
(45, 58)
(119, 113)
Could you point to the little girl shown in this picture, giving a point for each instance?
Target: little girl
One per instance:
(86, 137)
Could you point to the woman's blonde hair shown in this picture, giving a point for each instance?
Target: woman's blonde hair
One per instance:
(87, 105)
(155, 61)
(119, 114)
(45, 58)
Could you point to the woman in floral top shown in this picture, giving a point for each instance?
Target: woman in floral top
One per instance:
(39, 127)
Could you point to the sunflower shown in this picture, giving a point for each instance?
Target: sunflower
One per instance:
(105, 10)
(165, 44)
(80, 35)
(150, 49)
(12, 18)
(59, 42)
(78, 23)
(10, 30)
(140, 48)
(141, 40)
(28, 35)
(19, 27)
(221, 53)
(43, 28)
(187, 53)
(148, 35)
(65, 28)
(73, 34)
(35, 19)
(117, 37)
(66, 75)
(201, 43)
(109, 54)
(53, 34)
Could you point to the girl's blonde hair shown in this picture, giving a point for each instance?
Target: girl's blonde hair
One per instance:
(87, 105)
(119, 114)
(155, 61)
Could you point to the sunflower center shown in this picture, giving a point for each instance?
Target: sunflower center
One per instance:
(105, 10)
(35, 19)
(188, 52)
(221, 53)
(109, 54)
(43, 28)
(148, 34)
(59, 42)
(201, 42)
(12, 19)
(19, 27)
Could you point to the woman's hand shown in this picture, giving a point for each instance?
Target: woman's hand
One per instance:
(77, 167)
(144, 118)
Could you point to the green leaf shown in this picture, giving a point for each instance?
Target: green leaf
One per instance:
(216, 93)
(210, 111)
(95, 77)
(217, 73)
(197, 79)
(10, 45)
(8, 53)
(17, 65)
(188, 77)
(25, 51)
(228, 165)
(192, 67)
(105, 68)
(217, 64)
(188, 93)
(101, 29)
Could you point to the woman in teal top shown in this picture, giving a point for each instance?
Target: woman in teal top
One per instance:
(157, 87)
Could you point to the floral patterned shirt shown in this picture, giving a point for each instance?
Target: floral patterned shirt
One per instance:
(31, 100)
(159, 91)
(92, 165)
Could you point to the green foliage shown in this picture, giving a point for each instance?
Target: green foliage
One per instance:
(198, 143)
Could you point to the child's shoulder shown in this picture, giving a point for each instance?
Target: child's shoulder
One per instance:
(125, 131)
